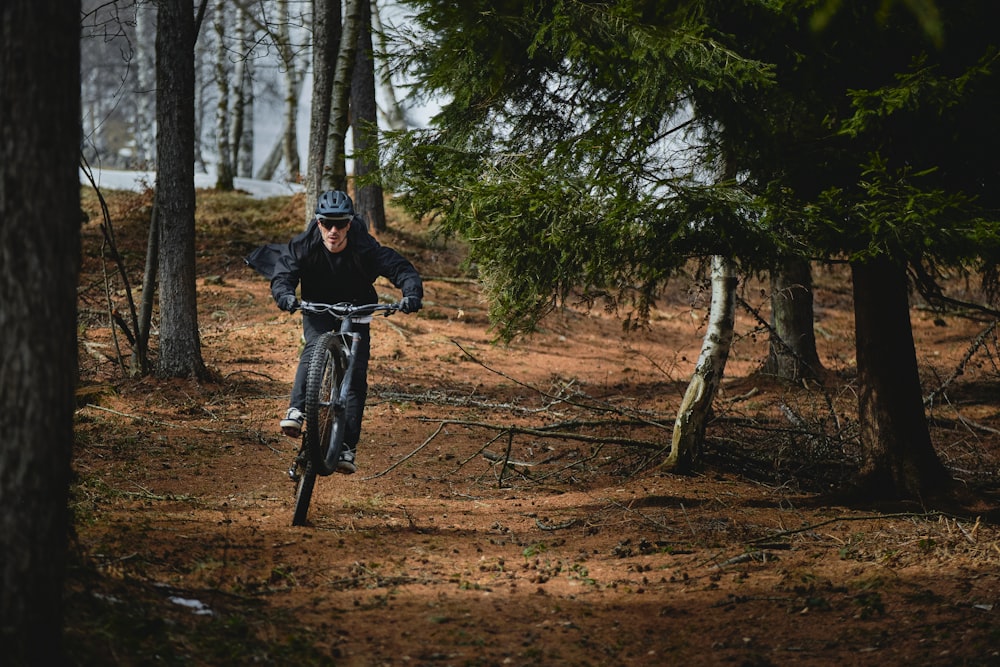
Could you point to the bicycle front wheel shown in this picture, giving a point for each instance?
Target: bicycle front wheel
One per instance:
(303, 494)
(326, 418)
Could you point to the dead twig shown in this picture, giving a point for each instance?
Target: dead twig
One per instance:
(977, 343)
(408, 456)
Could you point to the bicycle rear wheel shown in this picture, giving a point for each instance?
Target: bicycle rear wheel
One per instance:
(325, 419)
(303, 494)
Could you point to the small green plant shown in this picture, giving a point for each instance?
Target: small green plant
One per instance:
(581, 574)
(534, 549)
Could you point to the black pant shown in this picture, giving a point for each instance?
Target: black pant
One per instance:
(313, 326)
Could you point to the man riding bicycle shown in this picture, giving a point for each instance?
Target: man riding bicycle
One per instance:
(334, 260)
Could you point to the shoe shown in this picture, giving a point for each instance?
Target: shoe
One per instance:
(346, 464)
(291, 425)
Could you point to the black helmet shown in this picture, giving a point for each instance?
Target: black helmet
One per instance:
(334, 204)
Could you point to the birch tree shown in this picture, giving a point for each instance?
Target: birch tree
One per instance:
(241, 131)
(145, 97)
(334, 163)
(224, 158)
(696, 406)
(292, 81)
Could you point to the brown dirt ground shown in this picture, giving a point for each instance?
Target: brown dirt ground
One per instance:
(576, 552)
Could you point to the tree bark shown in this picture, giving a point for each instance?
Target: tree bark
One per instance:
(326, 44)
(241, 125)
(335, 169)
(39, 265)
(898, 459)
(792, 351)
(140, 355)
(290, 145)
(180, 346)
(689, 427)
(224, 166)
(368, 200)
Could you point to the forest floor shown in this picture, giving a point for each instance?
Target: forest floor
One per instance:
(509, 509)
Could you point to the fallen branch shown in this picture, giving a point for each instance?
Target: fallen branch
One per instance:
(439, 398)
(490, 456)
(555, 526)
(158, 422)
(558, 435)
(838, 519)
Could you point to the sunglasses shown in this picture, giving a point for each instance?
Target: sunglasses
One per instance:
(327, 223)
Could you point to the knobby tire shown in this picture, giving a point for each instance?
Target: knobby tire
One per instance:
(325, 422)
(303, 494)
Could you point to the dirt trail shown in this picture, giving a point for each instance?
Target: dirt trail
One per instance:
(573, 553)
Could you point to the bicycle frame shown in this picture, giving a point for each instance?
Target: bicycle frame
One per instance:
(349, 315)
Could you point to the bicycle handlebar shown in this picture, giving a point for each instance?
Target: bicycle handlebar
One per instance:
(345, 309)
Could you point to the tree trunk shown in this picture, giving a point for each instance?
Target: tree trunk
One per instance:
(140, 354)
(290, 140)
(199, 113)
(224, 166)
(246, 138)
(689, 427)
(368, 200)
(241, 125)
(145, 63)
(180, 346)
(335, 170)
(39, 265)
(898, 459)
(326, 43)
(792, 354)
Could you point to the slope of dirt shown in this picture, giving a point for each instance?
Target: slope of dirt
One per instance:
(508, 509)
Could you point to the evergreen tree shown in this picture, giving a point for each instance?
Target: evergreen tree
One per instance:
(580, 146)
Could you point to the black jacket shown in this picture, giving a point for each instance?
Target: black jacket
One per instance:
(328, 277)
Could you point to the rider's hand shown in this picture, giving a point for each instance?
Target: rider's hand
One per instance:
(410, 304)
(288, 303)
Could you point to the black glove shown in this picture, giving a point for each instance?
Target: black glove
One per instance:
(288, 303)
(410, 304)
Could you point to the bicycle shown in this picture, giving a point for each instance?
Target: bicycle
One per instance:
(331, 367)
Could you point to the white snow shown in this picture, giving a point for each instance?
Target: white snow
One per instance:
(135, 181)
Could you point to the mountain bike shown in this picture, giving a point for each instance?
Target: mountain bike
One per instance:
(331, 367)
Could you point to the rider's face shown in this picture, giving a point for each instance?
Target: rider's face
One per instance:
(334, 233)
